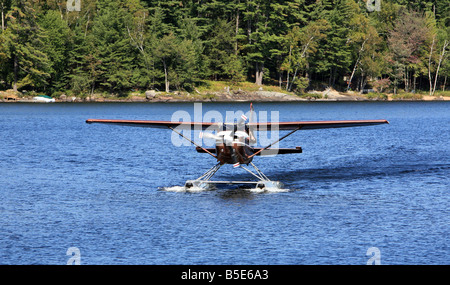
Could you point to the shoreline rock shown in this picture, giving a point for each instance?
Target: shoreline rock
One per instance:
(152, 96)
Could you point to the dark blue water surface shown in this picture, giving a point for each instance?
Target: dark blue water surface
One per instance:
(112, 192)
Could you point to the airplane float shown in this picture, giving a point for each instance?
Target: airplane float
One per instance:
(234, 142)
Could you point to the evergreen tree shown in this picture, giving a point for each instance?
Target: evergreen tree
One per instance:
(336, 57)
(221, 50)
(112, 45)
(256, 17)
(192, 50)
(24, 41)
(83, 63)
(56, 45)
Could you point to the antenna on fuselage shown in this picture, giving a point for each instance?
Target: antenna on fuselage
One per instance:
(252, 138)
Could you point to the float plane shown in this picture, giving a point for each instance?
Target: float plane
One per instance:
(234, 142)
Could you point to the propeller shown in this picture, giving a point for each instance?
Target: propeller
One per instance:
(237, 131)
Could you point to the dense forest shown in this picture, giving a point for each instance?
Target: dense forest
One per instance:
(87, 46)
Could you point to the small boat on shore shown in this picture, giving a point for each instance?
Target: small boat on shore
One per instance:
(43, 99)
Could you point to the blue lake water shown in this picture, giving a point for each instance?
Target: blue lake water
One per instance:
(106, 190)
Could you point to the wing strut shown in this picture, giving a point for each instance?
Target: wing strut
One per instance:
(192, 142)
(277, 141)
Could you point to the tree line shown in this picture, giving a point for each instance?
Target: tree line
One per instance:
(120, 45)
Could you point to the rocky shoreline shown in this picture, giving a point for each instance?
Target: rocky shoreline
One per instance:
(328, 95)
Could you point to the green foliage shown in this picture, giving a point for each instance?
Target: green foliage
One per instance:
(302, 83)
(407, 44)
(56, 46)
(377, 96)
(406, 96)
(114, 46)
(24, 45)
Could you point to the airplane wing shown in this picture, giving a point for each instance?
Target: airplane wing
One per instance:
(311, 125)
(302, 125)
(157, 124)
